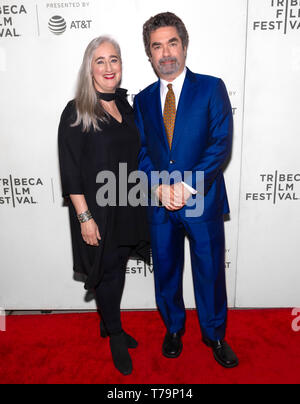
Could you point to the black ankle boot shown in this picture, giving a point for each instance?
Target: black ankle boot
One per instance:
(131, 342)
(120, 354)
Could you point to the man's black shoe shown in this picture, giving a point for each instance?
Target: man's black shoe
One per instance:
(172, 346)
(223, 354)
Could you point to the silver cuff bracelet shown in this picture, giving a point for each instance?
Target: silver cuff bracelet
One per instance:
(85, 217)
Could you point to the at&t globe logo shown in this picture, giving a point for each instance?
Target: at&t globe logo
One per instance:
(57, 25)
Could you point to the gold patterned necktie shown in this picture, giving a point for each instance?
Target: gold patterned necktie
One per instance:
(170, 114)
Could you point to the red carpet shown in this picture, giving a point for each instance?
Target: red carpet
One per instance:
(67, 349)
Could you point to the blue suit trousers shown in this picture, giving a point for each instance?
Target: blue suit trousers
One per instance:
(207, 245)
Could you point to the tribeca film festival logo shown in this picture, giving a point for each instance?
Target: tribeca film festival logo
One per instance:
(139, 268)
(278, 187)
(18, 191)
(285, 17)
(7, 17)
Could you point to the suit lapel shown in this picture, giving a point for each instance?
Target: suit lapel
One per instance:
(186, 97)
(155, 108)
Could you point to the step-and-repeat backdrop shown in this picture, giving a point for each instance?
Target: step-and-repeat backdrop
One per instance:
(253, 45)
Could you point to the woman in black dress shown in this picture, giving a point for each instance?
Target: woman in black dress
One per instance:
(97, 133)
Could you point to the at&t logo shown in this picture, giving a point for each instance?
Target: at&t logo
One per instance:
(58, 25)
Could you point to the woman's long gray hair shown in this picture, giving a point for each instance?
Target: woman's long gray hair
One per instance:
(89, 109)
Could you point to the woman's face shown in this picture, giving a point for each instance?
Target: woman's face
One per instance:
(106, 68)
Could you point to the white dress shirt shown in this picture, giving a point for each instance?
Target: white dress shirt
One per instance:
(177, 88)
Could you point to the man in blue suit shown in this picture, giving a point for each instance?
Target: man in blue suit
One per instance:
(185, 121)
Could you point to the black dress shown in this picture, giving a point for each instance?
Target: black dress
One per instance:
(82, 156)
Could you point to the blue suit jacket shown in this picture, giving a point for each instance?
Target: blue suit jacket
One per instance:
(202, 141)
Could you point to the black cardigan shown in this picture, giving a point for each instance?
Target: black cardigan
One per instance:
(82, 156)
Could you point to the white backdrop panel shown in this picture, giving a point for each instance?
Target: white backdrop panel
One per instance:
(38, 73)
(269, 233)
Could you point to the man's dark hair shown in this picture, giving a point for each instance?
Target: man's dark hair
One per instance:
(164, 20)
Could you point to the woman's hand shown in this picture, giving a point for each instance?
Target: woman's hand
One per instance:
(90, 233)
(89, 230)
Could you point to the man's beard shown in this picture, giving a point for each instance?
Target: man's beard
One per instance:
(168, 69)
